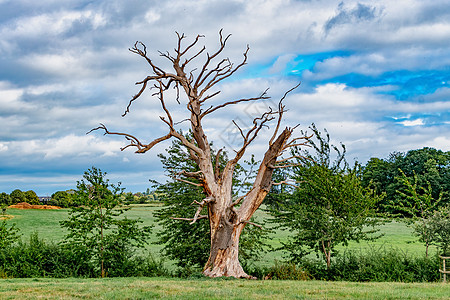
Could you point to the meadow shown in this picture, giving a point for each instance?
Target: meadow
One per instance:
(46, 223)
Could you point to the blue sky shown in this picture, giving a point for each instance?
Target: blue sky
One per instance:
(375, 74)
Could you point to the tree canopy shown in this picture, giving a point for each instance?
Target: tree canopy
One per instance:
(431, 166)
(330, 205)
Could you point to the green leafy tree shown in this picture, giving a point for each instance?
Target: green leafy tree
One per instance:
(330, 206)
(62, 199)
(17, 196)
(431, 166)
(418, 204)
(5, 199)
(188, 243)
(96, 231)
(31, 198)
(8, 234)
(439, 224)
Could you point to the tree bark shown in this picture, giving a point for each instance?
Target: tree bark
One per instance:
(224, 254)
(327, 253)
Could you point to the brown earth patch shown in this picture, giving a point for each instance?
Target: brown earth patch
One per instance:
(6, 217)
(24, 205)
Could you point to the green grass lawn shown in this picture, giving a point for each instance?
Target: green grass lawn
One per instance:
(169, 288)
(46, 224)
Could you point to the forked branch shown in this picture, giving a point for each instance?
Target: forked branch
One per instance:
(200, 207)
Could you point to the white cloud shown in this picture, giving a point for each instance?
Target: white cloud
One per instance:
(65, 68)
(53, 23)
(417, 122)
(66, 146)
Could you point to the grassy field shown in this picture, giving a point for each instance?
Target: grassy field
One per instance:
(161, 288)
(46, 224)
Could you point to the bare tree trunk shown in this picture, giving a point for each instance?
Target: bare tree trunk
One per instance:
(327, 253)
(224, 255)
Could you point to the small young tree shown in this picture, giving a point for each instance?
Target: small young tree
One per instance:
(330, 206)
(418, 204)
(95, 230)
(8, 234)
(439, 224)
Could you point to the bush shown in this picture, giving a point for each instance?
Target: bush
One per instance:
(379, 265)
(149, 267)
(36, 258)
(287, 271)
(376, 265)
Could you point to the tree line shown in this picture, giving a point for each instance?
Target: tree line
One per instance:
(427, 167)
(67, 198)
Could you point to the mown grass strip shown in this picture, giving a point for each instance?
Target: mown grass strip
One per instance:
(148, 288)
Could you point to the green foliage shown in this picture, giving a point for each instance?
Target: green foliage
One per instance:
(418, 204)
(5, 199)
(417, 201)
(139, 198)
(37, 258)
(286, 271)
(189, 244)
(439, 225)
(377, 265)
(383, 264)
(8, 234)
(331, 206)
(431, 166)
(17, 196)
(96, 232)
(31, 198)
(63, 199)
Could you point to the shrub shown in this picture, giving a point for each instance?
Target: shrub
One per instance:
(36, 258)
(287, 271)
(8, 234)
(383, 264)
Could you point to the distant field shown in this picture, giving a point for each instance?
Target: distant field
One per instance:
(162, 288)
(46, 224)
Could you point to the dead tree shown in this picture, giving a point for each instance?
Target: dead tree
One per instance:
(227, 216)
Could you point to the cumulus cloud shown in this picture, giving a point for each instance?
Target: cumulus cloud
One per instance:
(375, 74)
